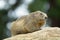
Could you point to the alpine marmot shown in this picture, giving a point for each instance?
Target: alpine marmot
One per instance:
(28, 23)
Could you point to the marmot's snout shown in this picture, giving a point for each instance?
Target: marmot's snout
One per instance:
(46, 17)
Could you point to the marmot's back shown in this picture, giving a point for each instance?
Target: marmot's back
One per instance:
(28, 23)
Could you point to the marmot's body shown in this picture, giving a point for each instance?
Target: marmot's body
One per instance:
(28, 23)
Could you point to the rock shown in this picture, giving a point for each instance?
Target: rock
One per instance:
(50, 33)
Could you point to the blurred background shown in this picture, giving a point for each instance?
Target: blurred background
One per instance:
(10, 10)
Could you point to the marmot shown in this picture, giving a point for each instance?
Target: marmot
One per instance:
(28, 23)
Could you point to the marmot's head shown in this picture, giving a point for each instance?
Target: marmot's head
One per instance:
(40, 17)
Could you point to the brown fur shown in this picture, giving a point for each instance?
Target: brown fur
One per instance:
(28, 23)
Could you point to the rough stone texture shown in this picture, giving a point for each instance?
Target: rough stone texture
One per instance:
(50, 33)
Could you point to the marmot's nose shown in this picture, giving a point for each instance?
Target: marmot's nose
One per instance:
(46, 17)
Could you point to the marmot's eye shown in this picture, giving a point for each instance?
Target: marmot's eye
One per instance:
(41, 14)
